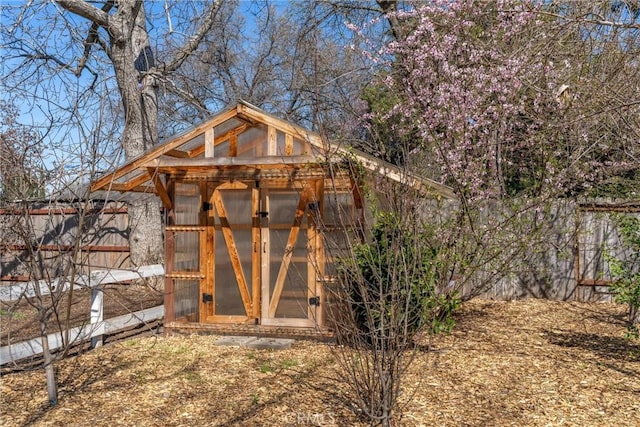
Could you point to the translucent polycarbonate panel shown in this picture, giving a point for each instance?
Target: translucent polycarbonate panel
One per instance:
(228, 300)
(226, 126)
(237, 204)
(187, 204)
(187, 251)
(195, 142)
(222, 149)
(282, 206)
(338, 208)
(280, 144)
(131, 176)
(300, 147)
(293, 302)
(253, 142)
(186, 299)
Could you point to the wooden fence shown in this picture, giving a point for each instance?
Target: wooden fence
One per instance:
(53, 229)
(570, 262)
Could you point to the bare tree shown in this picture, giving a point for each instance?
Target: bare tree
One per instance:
(115, 43)
(47, 275)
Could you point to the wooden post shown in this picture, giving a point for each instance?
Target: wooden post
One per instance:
(209, 142)
(256, 245)
(210, 271)
(97, 316)
(288, 145)
(272, 140)
(320, 259)
(169, 255)
(312, 254)
(204, 253)
(265, 254)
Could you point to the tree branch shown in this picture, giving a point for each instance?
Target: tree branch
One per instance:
(84, 9)
(193, 43)
(92, 38)
(598, 20)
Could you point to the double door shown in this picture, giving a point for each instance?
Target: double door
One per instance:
(262, 250)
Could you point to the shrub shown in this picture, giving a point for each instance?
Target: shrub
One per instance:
(393, 283)
(625, 269)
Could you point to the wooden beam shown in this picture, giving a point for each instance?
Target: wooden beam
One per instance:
(251, 114)
(160, 190)
(139, 189)
(288, 144)
(209, 142)
(235, 185)
(264, 161)
(137, 181)
(381, 167)
(272, 141)
(178, 153)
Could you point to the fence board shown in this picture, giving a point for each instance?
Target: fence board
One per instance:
(55, 229)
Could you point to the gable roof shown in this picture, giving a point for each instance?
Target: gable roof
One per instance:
(185, 152)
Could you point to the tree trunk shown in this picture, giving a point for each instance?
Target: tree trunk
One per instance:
(135, 71)
(49, 369)
(139, 98)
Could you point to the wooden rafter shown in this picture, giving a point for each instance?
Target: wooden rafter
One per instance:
(137, 181)
(140, 161)
(252, 116)
(178, 153)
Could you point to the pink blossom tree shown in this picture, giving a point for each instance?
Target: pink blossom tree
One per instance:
(515, 104)
(506, 97)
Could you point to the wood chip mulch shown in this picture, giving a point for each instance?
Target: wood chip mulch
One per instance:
(531, 362)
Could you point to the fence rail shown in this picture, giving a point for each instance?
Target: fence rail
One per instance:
(22, 350)
(15, 291)
(97, 326)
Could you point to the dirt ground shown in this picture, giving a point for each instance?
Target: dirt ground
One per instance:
(19, 320)
(532, 362)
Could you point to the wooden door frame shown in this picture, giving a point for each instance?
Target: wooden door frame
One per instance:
(251, 298)
(307, 194)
